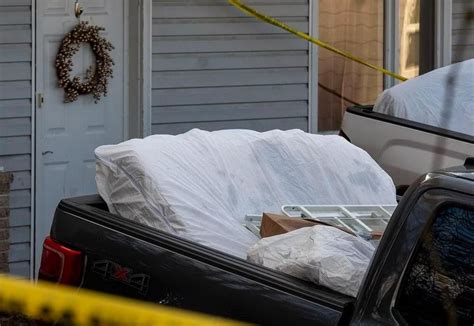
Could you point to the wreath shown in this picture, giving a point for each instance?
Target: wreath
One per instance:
(96, 79)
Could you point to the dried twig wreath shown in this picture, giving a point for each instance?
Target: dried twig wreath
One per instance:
(96, 80)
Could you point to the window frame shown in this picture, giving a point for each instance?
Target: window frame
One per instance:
(443, 33)
(413, 255)
(391, 41)
(435, 44)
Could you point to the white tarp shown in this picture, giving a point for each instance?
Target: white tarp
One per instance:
(200, 185)
(321, 254)
(442, 98)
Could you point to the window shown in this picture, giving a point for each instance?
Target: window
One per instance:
(409, 38)
(357, 27)
(438, 286)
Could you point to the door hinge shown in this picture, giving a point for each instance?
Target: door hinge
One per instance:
(39, 100)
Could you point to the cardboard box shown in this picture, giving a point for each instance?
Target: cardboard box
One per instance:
(274, 224)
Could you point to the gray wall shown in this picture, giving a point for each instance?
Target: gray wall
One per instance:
(215, 68)
(463, 30)
(15, 123)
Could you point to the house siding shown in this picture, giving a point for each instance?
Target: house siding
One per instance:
(463, 31)
(215, 68)
(15, 124)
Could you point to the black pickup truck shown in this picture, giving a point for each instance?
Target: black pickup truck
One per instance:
(421, 274)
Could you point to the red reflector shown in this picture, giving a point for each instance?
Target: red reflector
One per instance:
(60, 264)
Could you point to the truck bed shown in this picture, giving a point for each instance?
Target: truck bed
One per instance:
(405, 149)
(140, 262)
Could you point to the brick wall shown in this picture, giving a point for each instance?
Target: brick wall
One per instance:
(5, 181)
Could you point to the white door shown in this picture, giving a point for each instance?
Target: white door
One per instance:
(68, 133)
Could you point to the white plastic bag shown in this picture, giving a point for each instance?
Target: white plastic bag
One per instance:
(322, 254)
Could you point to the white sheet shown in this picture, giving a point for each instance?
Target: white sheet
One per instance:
(322, 254)
(200, 185)
(442, 98)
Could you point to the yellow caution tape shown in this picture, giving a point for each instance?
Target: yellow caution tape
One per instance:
(52, 303)
(270, 20)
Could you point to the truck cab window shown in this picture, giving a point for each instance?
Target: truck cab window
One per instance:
(438, 285)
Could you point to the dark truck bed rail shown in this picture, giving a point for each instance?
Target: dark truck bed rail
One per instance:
(368, 111)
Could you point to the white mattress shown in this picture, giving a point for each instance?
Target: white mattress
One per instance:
(200, 185)
(442, 98)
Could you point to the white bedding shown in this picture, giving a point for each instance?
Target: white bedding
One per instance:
(200, 185)
(442, 98)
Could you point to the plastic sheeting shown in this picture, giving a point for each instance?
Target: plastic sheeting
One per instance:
(442, 98)
(200, 185)
(322, 254)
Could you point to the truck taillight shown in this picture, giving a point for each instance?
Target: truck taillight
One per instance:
(60, 264)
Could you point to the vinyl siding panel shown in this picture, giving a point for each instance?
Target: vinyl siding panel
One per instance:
(20, 252)
(20, 217)
(14, 146)
(19, 235)
(15, 15)
(15, 108)
(227, 26)
(245, 43)
(20, 199)
(15, 127)
(15, 34)
(226, 60)
(223, 112)
(463, 31)
(14, 163)
(21, 269)
(208, 78)
(236, 94)
(217, 9)
(15, 71)
(15, 52)
(215, 68)
(15, 124)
